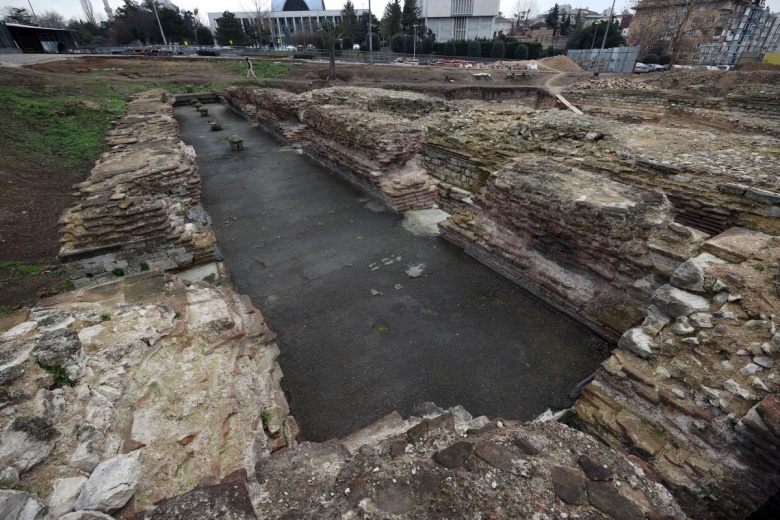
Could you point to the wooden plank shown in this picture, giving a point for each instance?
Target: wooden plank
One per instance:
(569, 105)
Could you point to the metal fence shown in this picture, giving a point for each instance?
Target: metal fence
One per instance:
(616, 59)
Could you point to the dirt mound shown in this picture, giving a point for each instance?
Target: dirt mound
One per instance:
(749, 67)
(560, 63)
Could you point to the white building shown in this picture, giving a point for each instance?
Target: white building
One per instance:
(284, 24)
(297, 5)
(460, 19)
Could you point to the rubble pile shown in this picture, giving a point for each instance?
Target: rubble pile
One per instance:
(140, 205)
(617, 82)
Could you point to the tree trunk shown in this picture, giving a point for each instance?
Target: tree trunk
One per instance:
(332, 74)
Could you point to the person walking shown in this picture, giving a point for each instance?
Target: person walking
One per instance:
(249, 69)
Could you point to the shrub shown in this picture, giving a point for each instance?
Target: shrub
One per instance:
(650, 59)
(474, 50)
(498, 49)
(521, 52)
(397, 43)
(426, 46)
(664, 59)
(449, 49)
(347, 43)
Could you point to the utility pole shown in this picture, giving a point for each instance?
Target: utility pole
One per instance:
(154, 5)
(604, 41)
(414, 42)
(370, 37)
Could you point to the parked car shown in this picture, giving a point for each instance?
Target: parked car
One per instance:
(658, 68)
(640, 68)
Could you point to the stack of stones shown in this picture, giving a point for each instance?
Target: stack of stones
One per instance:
(694, 388)
(140, 207)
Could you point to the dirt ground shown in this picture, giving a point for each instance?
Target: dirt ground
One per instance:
(33, 196)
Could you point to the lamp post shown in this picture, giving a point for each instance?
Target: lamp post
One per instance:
(370, 37)
(604, 41)
(414, 42)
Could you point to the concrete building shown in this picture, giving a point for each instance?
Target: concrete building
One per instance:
(283, 23)
(459, 19)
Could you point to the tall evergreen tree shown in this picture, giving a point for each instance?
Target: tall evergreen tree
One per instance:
(391, 19)
(553, 18)
(230, 31)
(410, 15)
(349, 26)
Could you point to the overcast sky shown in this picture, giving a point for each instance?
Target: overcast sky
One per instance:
(72, 8)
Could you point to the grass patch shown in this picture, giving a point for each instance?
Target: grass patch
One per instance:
(265, 69)
(381, 329)
(60, 374)
(55, 129)
(14, 270)
(265, 416)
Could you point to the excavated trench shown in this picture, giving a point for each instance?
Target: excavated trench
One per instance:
(372, 317)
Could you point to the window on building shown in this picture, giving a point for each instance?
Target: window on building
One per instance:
(683, 57)
(460, 29)
(694, 22)
(692, 32)
(700, 8)
(461, 7)
(696, 57)
(710, 19)
(642, 24)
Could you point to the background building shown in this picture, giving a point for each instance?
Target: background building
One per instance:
(459, 19)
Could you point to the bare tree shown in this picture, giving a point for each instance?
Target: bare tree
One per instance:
(261, 20)
(522, 11)
(330, 34)
(89, 11)
(51, 19)
(667, 21)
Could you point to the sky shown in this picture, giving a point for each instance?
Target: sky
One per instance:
(72, 8)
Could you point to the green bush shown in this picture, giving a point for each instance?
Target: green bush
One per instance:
(397, 43)
(347, 43)
(521, 52)
(664, 59)
(449, 49)
(426, 46)
(474, 50)
(498, 50)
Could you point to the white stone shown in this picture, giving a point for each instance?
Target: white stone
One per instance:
(110, 393)
(763, 361)
(676, 302)
(757, 383)
(19, 330)
(20, 505)
(732, 386)
(84, 458)
(26, 441)
(749, 369)
(637, 342)
(86, 515)
(112, 483)
(701, 320)
(64, 493)
(681, 327)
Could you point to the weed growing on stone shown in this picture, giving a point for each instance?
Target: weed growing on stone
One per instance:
(45, 322)
(265, 416)
(61, 376)
(381, 329)
(118, 272)
(144, 266)
(105, 317)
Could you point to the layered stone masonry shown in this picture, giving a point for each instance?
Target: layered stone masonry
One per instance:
(694, 388)
(140, 207)
(593, 263)
(366, 135)
(757, 111)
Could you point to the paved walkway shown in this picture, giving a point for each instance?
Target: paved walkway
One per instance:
(372, 318)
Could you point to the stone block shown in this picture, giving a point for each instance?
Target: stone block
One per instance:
(737, 244)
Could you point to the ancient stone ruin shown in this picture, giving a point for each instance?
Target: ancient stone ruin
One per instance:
(153, 388)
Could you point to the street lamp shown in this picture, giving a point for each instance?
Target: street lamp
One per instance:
(414, 42)
(370, 36)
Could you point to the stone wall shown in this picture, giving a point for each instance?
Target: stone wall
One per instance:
(593, 264)
(140, 207)
(693, 390)
(377, 153)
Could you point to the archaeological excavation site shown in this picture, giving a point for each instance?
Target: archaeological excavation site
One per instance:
(541, 296)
